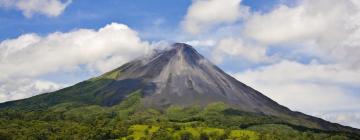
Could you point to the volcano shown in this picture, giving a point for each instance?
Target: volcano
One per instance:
(181, 76)
(177, 76)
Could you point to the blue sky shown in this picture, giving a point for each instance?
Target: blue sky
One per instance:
(297, 52)
(138, 14)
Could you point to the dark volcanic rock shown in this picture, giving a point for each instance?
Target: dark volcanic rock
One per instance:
(182, 76)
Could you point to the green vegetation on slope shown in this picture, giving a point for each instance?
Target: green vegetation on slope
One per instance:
(130, 120)
(89, 92)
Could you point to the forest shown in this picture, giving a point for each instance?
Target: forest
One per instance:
(129, 120)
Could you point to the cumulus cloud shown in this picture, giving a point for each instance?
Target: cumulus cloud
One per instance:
(50, 8)
(31, 56)
(308, 20)
(310, 88)
(23, 88)
(239, 48)
(202, 14)
(101, 50)
(327, 28)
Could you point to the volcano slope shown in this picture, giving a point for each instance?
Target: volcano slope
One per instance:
(174, 94)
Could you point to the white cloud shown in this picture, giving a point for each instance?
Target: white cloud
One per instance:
(31, 55)
(349, 118)
(50, 8)
(239, 48)
(198, 43)
(26, 58)
(202, 14)
(327, 28)
(23, 88)
(311, 88)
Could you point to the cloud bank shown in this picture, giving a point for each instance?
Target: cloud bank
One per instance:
(301, 87)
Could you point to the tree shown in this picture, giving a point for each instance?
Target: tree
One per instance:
(162, 134)
(204, 136)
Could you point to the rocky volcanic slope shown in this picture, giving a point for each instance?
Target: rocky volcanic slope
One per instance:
(177, 76)
(182, 76)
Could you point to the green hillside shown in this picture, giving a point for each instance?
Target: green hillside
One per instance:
(89, 92)
(131, 120)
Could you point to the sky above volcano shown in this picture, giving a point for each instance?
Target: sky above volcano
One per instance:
(303, 54)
